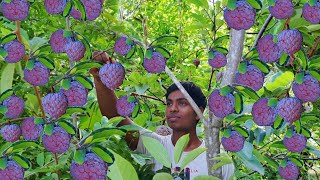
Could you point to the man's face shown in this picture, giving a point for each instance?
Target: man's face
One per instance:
(179, 113)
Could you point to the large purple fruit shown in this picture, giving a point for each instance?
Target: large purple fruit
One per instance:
(311, 13)
(263, 115)
(13, 171)
(308, 91)
(112, 75)
(15, 106)
(93, 10)
(269, 51)
(11, 133)
(16, 10)
(15, 50)
(125, 108)
(75, 50)
(242, 17)
(297, 143)
(289, 172)
(290, 109)
(93, 167)
(253, 78)
(55, 6)
(31, 131)
(77, 94)
(282, 9)
(234, 143)
(55, 104)
(58, 41)
(290, 41)
(121, 47)
(38, 76)
(156, 64)
(219, 60)
(58, 141)
(221, 106)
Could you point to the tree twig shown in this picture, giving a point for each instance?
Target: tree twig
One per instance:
(149, 97)
(57, 162)
(210, 80)
(12, 120)
(312, 51)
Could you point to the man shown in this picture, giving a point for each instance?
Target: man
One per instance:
(180, 116)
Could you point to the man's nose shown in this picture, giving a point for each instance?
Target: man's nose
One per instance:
(174, 108)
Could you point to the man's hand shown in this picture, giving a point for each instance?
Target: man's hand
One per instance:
(102, 57)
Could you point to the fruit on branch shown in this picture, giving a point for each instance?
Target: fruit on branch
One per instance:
(76, 95)
(121, 47)
(163, 130)
(15, 50)
(93, 167)
(55, 104)
(296, 143)
(30, 130)
(125, 108)
(282, 9)
(242, 17)
(58, 41)
(15, 106)
(93, 10)
(234, 143)
(112, 75)
(12, 171)
(263, 114)
(75, 50)
(219, 60)
(58, 141)
(253, 78)
(289, 172)
(268, 51)
(55, 6)
(221, 106)
(290, 41)
(11, 133)
(290, 109)
(196, 62)
(308, 91)
(156, 64)
(16, 10)
(311, 13)
(38, 76)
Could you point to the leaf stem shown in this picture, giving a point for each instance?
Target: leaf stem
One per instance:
(57, 162)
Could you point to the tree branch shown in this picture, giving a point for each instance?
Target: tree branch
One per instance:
(149, 97)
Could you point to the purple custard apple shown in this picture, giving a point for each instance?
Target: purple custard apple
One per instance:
(30, 130)
(219, 60)
(93, 10)
(156, 64)
(38, 76)
(221, 106)
(290, 109)
(196, 62)
(164, 130)
(282, 9)
(112, 75)
(297, 143)
(58, 141)
(16, 10)
(268, 51)
(121, 47)
(234, 143)
(75, 50)
(290, 41)
(58, 41)
(125, 108)
(308, 91)
(55, 6)
(15, 50)
(311, 13)
(15, 106)
(76, 95)
(242, 17)
(55, 104)
(263, 115)
(13, 171)
(289, 172)
(253, 78)
(11, 133)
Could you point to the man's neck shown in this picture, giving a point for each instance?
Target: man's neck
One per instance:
(194, 141)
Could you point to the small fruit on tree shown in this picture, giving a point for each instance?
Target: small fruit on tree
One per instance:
(290, 109)
(125, 108)
(252, 78)
(219, 60)
(55, 104)
(269, 51)
(15, 50)
(282, 9)
(296, 143)
(121, 46)
(234, 143)
(308, 91)
(263, 114)
(156, 64)
(76, 95)
(289, 172)
(16, 10)
(58, 141)
(15, 106)
(112, 75)
(11, 133)
(221, 106)
(30, 130)
(38, 76)
(12, 171)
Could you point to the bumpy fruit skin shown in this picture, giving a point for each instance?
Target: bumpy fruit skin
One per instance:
(93, 167)
(121, 47)
(268, 51)
(253, 78)
(242, 17)
(93, 10)
(234, 143)
(16, 10)
(221, 106)
(290, 41)
(55, 104)
(15, 106)
(112, 75)
(289, 172)
(311, 13)
(308, 91)
(55, 6)
(164, 130)
(297, 143)
(58, 42)
(156, 64)
(76, 95)
(58, 141)
(290, 109)
(13, 171)
(31, 131)
(11, 133)
(282, 9)
(38, 76)
(263, 115)
(219, 60)
(15, 50)
(125, 108)
(75, 50)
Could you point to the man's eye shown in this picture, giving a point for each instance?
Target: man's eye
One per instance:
(169, 103)
(183, 103)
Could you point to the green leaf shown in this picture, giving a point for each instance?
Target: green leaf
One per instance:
(180, 146)
(38, 120)
(165, 53)
(218, 41)
(297, 124)
(278, 122)
(164, 39)
(221, 49)
(140, 53)
(105, 154)
(278, 144)
(6, 94)
(303, 59)
(308, 117)
(47, 62)
(271, 2)
(149, 54)
(122, 169)
(30, 64)
(23, 162)
(306, 132)
(48, 129)
(261, 65)
(3, 53)
(284, 59)
(280, 79)
(242, 68)
(191, 156)
(67, 126)
(211, 55)
(162, 176)
(200, 3)
(79, 6)
(251, 162)
(8, 38)
(299, 77)
(87, 141)
(40, 159)
(227, 132)
(255, 4)
(87, 65)
(225, 90)
(242, 131)
(248, 92)
(205, 177)
(67, 9)
(238, 103)
(296, 161)
(107, 132)
(157, 150)
(146, 109)
(86, 43)
(71, 110)
(315, 74)
(22, 144)
(65, 83)
(271, 162)
(272, 102)
(3, 163)
(232, 4)
(3, 109)
(86, 82)
(67, 33)
(131, 52)
(312, 2)
(7, 76)
(289, 133)
(242, 119)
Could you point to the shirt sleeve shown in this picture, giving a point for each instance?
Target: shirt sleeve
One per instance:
(227, 171)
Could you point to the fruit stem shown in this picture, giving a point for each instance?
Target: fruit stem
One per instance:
(210, 80)
(39, 100)
(57, 162)
(12, 120)
(18, 31)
